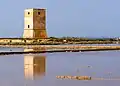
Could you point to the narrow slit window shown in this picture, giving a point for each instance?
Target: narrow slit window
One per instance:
(28, 13)
(38, 13)
(28, 26)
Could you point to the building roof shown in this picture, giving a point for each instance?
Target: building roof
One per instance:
(35, 8)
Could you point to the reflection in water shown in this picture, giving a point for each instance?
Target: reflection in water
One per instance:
(35, 49)
(34, 65)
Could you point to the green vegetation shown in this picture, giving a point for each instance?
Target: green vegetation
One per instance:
(58, 41)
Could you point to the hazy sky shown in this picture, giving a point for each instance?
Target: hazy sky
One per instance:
(83, 18)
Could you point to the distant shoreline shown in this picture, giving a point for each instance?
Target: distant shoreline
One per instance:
(66, 46)
(56, 48)
(57, 41)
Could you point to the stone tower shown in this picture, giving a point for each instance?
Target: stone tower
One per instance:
(35, 23)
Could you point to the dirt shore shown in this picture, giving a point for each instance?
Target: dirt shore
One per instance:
(60, 47)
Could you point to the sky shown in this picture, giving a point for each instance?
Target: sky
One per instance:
(77, 18)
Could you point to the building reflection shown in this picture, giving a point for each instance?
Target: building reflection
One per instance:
(34, 66)
(35, 49)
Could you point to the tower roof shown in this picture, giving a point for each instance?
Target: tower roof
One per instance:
(35, 8)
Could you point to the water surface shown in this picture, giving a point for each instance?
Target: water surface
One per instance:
(42, 69)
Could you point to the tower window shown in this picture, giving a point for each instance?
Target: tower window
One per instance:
(38, 13)
(28, 13)
(28, 26)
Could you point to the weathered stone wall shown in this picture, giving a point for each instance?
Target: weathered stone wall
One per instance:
(28, 23)
(35, 23)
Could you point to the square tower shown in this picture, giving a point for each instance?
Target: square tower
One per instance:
(35, 23)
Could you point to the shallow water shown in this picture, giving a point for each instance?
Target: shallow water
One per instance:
(42, 69)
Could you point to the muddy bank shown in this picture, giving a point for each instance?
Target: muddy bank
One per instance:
(53, 51)
(61, 46)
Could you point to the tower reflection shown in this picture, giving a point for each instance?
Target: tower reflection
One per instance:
(35, 49)
(34, 66)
